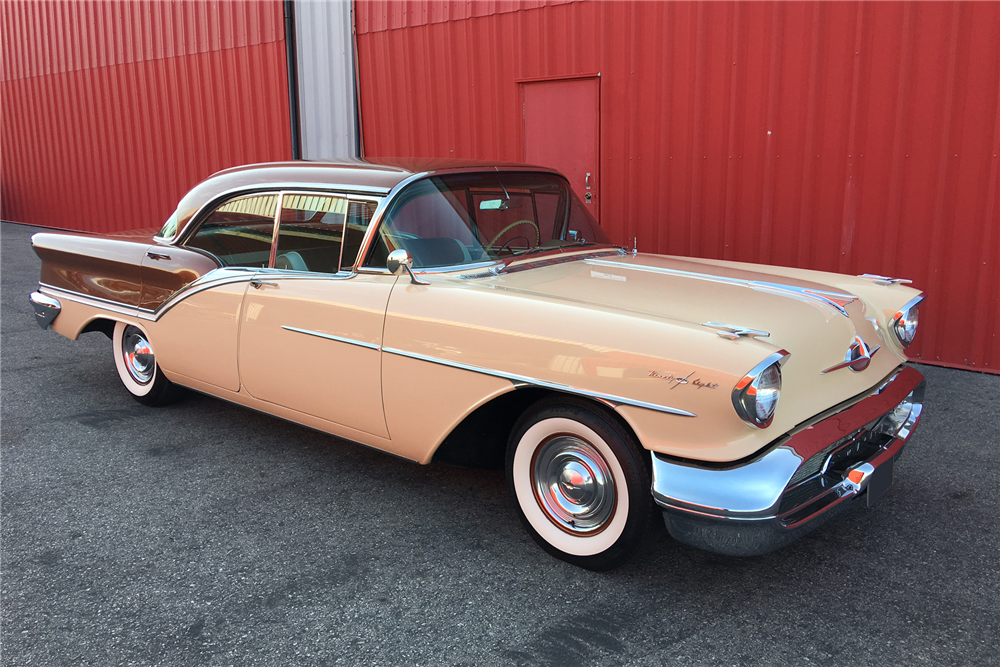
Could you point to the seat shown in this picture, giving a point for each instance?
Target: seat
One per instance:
(436, 251)
(290, 261)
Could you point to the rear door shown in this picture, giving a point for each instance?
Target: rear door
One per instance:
(196, 336)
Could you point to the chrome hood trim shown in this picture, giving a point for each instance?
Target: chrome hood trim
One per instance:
(836, 300)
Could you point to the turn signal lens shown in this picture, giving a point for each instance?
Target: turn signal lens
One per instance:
(755, 397)
(904, 323)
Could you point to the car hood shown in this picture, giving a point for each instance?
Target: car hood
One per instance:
(815, 322)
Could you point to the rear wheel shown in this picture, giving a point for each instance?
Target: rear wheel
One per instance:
(581, 482)
(137, 369)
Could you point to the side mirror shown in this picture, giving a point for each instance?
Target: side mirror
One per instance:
(399, 261)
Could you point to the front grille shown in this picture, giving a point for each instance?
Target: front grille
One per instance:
(833, 462)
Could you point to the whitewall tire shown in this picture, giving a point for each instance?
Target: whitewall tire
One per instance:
(137, 368)
(581, 483)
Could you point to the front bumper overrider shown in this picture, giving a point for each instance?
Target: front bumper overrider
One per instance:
(803, 479)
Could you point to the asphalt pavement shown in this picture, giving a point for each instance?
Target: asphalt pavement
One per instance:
(206, 534)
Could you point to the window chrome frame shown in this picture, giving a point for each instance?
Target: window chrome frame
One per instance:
(196, 219)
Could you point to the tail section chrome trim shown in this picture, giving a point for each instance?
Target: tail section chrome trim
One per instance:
(605, 398)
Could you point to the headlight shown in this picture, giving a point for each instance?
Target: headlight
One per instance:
(755, 397)
(904, 322)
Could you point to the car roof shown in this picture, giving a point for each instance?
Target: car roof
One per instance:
(376, 176)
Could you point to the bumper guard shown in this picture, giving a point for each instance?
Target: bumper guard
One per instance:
(801, 481)
(46, 308)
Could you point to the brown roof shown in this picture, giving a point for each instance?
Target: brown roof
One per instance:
(375, 176)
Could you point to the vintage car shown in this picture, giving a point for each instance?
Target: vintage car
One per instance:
(476, 313)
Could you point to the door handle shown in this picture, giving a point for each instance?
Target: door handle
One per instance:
(587, 180)
(257, 284)
(156, 255)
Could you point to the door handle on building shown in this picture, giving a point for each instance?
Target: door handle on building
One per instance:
(587, 180)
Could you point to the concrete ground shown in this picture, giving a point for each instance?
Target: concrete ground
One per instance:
(206, 534)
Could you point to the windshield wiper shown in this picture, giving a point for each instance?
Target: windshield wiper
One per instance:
(557, 247)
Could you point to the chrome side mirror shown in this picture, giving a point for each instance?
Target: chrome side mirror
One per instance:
(399, 261)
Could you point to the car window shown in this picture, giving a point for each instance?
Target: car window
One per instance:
(310, 233)
(359, 216)
(239, 231)
(321, 233)
(462, 218)
(169, 227)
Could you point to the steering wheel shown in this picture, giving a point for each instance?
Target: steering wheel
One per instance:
(538, 234)
(511, 250)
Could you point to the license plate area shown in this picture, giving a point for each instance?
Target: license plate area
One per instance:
(880, 481)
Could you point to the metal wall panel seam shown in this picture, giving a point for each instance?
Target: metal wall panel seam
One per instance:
(895, 199)
(981, 316)
(945, 170)
(808, 171)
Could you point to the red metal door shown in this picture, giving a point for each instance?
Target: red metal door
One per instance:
(562, 130)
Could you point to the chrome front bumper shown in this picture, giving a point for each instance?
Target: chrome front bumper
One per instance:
(804, 478)
(46, 308)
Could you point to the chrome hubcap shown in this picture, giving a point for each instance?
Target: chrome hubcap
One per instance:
(573, 484)
(138, 355)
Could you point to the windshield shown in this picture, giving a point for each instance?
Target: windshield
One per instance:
(474, 217)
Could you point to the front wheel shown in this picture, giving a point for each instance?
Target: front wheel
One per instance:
(581, 482)
(137, 369)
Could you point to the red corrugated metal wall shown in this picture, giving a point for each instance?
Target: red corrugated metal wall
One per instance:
(852, 137)
(113, 110)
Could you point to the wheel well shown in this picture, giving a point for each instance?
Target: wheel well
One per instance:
(480, 440)
(106, 327)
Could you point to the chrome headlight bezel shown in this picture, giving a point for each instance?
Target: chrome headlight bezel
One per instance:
(745, 392)
(905, 321)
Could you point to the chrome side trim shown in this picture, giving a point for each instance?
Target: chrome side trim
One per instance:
(606, 398)
(339, 339)
(214, 278)
(93, 301)
(46, 308)
(836, 300)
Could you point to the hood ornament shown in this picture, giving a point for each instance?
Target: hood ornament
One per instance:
(730, 332)
(858, 357)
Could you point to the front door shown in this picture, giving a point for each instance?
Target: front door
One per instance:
(562, 131)
(311, 330)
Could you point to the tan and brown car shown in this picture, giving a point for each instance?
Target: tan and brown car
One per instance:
(476, 313)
